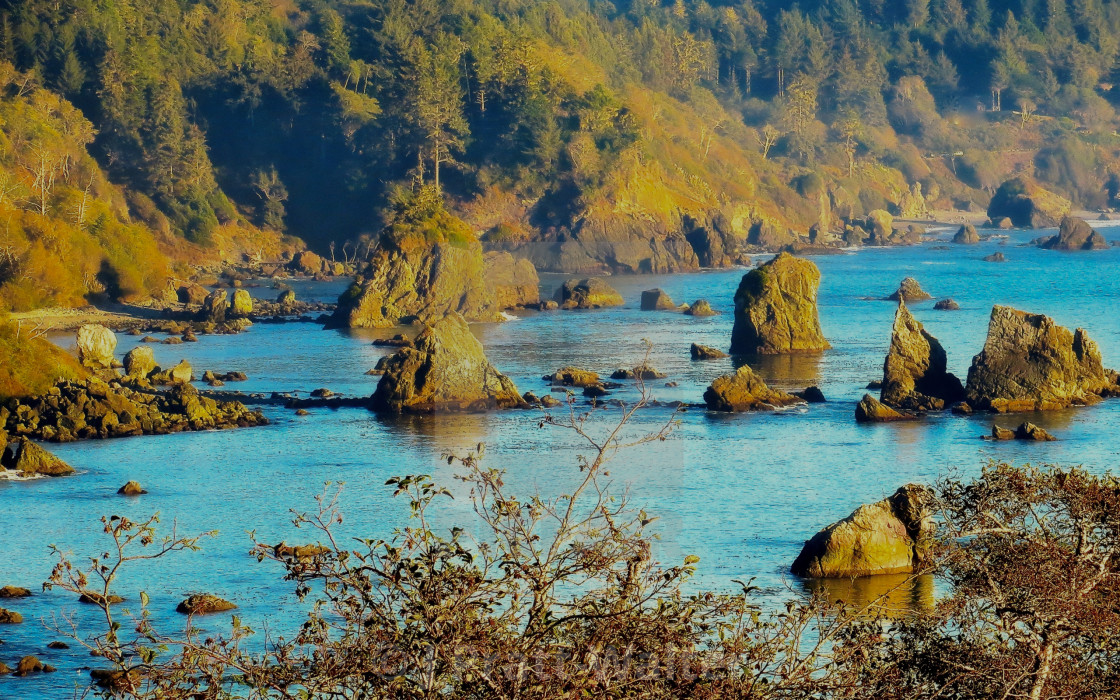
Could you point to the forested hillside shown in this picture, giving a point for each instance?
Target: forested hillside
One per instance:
(630, 124)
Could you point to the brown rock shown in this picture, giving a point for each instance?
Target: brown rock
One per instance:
(514, 281)
(14, 592)
(890, 536)
(204, 604)
(1027, 204)
(745, 391)
(572, 376)
(947, 305)
(446, 370)
(812, 394)
(140, 361)
(705, 352)
(776, 309)
(96, 344)
(967, 235)
(307, 263)
(914, 373)
(999, 433)
(131, 488)
(1075, 234)
(242, 304)
(639, 372)
(10, 617)
(1030, 431)
(1030, 363)
(909, 290)
(657, 300)
(28, 458)
(95, 598)
(870, 410)
(30, 664)
(191, 293)
(996, 257)
(589, 293)
(214, 308)
(700, 308)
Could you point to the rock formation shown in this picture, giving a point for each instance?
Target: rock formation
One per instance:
(1030, 363)
(572, 376)
(28, 458)
(871, 410)
(192, 293)
(947, 305)
(914, 374)
(890, 536)
(880, 225)
(14, 592)
(776, 309)
(242, 304)
(589, 293)
(514, 281)
(214, 307)
(417, 280)
(700, 309)
(996, 257)
(657, 300)
(640, 372)
(705, 352)
(1026, 431)
(131, 488)
(139, 362)
(1027, 204)
(967, 235)
(10, 617)
(95, 346)
(1075, 234)
(446, 370)
(744, 390)
(204, 604)
(909, 290)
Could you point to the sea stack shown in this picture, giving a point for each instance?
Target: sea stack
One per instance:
(914, 373)
(776, 309)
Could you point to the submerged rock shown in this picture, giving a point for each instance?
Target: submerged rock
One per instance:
(657, 300)
(589, 293)
(572, 376)
(915, 377)
(639, 372)
(947, 305)
(14, 592)
(909, 290)
(996, 257)
(871, 410)
(744, 390)
(514, 281)
(706, 352)
(28, 458)
(891, 536)
(1027, 204)
(96, 344)
(812, 394)
(132, 488)
(776, 309)
(1075, 234)
(1030, 363)
(967, 235)
(446, 370)
(10, 617)
(31, 664)
(700, 308)
(1026, 431)
(204, 604)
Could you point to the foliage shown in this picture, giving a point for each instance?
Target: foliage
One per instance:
(29, 363)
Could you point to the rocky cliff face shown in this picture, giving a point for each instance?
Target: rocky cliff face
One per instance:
(1030, 363)
(424, 282)
(514, 281)
(890, 536)
(744, 390)
(445, 370)
(776, 309)
(1075, 234)
(914, 374)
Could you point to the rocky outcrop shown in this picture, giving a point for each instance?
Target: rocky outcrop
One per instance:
(1030, 363)
(139, 361)
(29, 459)
(776, 309)
(572, 376)
(909, 290)
(214, 308)
(14, 592)
(891, 536)
(131, 488)
(715, 247)
(307, 263)
(446, 370)
(1026, 431)
(871, 410)
(706, 352)
(514, 281)
(642, 372)
(419, 281)
(947, 305)
(966, 235)
(1075, 234)
(657, 300)
(767, 235)
(95, 346)
(744, 390)
(700, 309)
(192, 293)
(915, 377)
(880, 226)
(96, 409)
(204, 604)
(1027, 204)
(589, 293)
(242, 304)
(10, 617)
(286, 299)
(996, 257)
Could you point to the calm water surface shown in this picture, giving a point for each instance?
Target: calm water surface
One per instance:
(741, 491)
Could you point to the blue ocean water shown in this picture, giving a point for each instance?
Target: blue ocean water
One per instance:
(741, 491)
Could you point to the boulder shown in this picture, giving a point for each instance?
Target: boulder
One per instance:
(140, 361)
(31, 664)
(590, 293)
(854, 236)
(27, 457)
(909, 290)
(700, 308)
(96, 344)
(891, 536)
(770, 236)
(95, 598)
(242, 304)
(514, 281)
(14, 592)
(657, 300)
(181, 373)
(967, 235)
(131, 488)
(871, 410)
(287, 298)
(191, 293)
(812, 394)
(999, 433)
(446, 370)
(1030, 431)
(214, 307)
(947, 305)
(743, 390)
(639, 372)
(1027, 204)
(880, 224)
(307, 263)
(419, 281)
(204, 604)
(914, 373)
(572, 376)
(997, 257)
(706, 352)
(1075, 234)
(1030, 363)
(550, 401)
(776, 309)
(10, 617)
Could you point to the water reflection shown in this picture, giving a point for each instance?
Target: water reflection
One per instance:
(798, 371)
(893, 595)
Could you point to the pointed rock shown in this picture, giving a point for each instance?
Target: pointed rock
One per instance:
(776, 309)
(914, 374)
(909, 290)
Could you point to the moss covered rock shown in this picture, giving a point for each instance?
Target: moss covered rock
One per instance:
(743, 390)
(776, 309)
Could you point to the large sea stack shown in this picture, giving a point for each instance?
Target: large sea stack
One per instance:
(890, 536)
(445, 370)
(914, 374)
(514, 280)
(1030, 363)
(776, 309)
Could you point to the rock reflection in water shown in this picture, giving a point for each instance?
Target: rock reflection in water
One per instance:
(893, 594)
(785, 371)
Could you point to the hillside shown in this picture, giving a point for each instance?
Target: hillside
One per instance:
(626, 136)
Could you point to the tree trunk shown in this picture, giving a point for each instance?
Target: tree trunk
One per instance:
(1042, 671)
